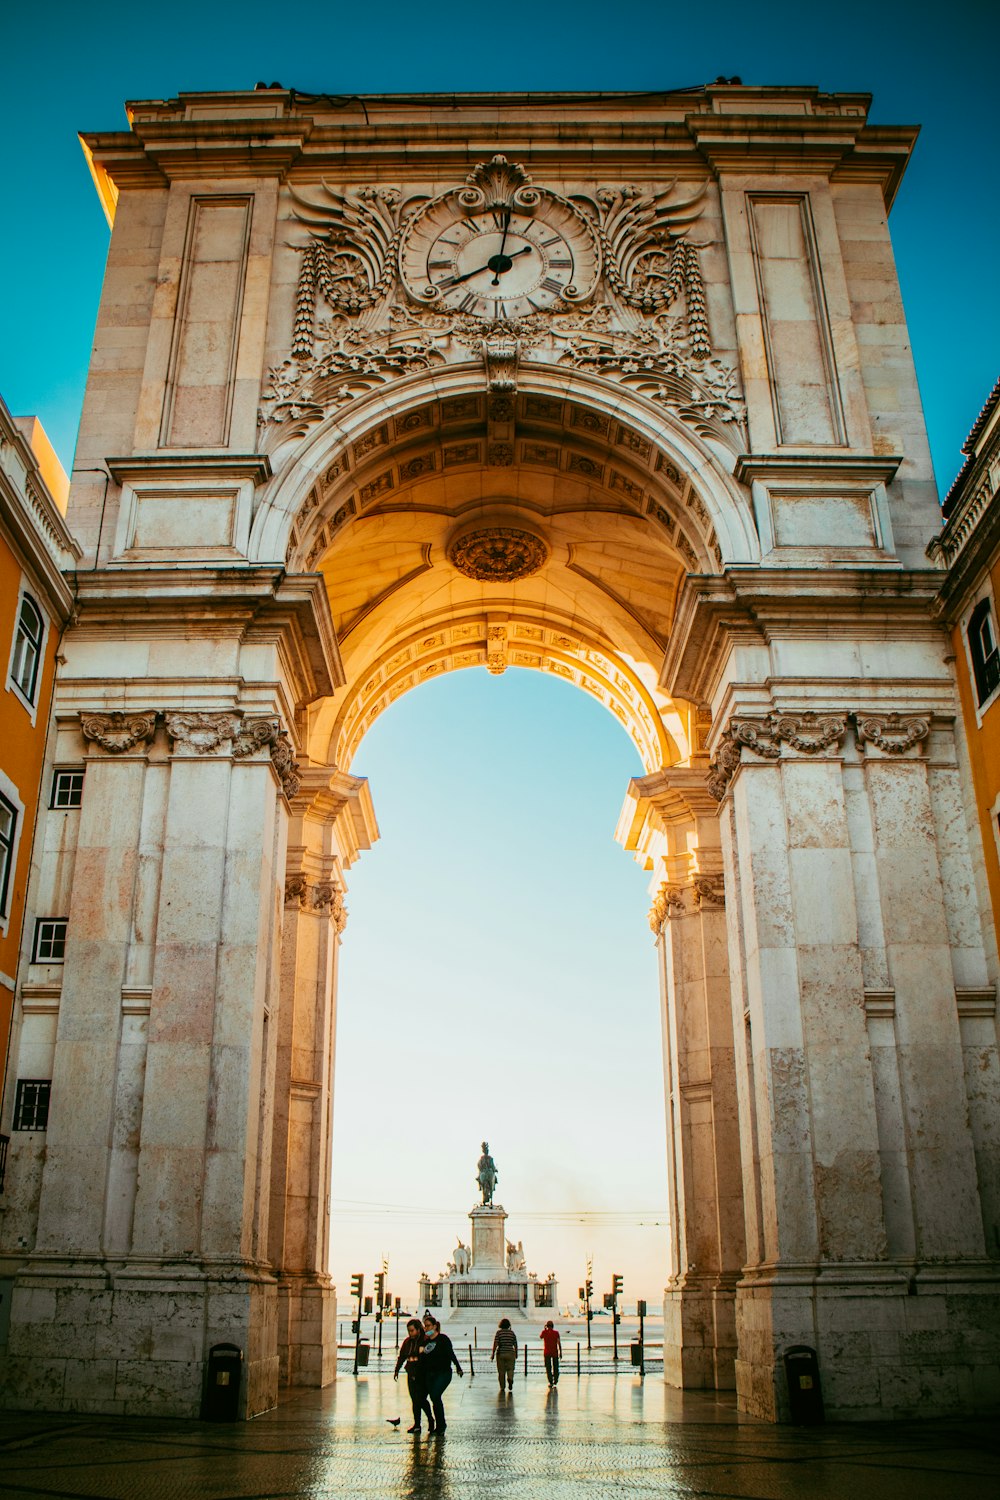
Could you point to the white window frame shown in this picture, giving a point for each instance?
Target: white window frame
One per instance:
(58, 771)
(10, 793)
(36, 938)
(31, 706)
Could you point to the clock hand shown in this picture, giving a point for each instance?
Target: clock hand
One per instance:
(506, 226)
(491, 265)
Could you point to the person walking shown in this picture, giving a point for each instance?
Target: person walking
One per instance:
(504, 1351)
(552, 1349)
(409, 1355)
(436, 1359)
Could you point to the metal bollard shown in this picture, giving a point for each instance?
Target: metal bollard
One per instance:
(525, 1361)
(578, 1356)
(472, 1368)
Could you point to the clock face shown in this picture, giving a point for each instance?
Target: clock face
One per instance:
(499, 264)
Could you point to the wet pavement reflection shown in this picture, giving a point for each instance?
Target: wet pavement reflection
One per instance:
(595, 1436)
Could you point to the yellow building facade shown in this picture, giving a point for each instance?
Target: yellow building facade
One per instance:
(35, 604)
(969, 546)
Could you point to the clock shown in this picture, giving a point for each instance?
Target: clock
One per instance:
(506, 261)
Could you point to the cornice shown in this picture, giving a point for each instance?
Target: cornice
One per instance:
(139, 467)
(139, 601)
(31, 520)
(869, 468)
(273, 132)
(759, 605)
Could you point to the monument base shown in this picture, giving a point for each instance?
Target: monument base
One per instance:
(489, 1280)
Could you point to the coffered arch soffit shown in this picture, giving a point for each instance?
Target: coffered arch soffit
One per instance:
(404, 505)
(498, 639)
(576, 428)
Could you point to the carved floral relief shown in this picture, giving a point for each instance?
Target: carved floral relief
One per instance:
(117, 732)
(621, 294)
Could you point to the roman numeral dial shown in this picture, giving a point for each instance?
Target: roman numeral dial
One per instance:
(501, 263)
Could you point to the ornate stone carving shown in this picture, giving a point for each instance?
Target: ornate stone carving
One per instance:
(325, 897)
(638, 317)
(498, 554)
(296, 889)
(893, 733)
(203, 733)
(658, 911)
(284, 762)
(255, 734)
(117, 731)
(709, 891)
(808, 733)
(647, 261)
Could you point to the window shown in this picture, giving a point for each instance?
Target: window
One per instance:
(27, 648)
(8, 828)
(31, 1103)
(983, 650)
(67, 789)
(50, 940)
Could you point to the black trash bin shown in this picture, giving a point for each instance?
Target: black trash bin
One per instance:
(223, 1378)
(805, 1398)
(636, 1352)
(364, 1349)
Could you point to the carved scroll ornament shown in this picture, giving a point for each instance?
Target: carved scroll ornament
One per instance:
(202, 733)
(808, 734)
(323, 896)
(117, 732)
(893, 733)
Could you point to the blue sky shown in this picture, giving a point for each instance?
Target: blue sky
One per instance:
(497, 949)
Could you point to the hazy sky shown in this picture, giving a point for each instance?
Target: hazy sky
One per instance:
(498, 974)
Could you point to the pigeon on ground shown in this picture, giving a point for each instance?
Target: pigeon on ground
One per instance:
(393, 1421)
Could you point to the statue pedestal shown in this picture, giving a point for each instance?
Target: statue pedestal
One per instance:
(489, 1242)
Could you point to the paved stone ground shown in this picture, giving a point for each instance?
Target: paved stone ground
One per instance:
(600, 1436)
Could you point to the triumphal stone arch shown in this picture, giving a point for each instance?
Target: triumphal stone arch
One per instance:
(617, 389)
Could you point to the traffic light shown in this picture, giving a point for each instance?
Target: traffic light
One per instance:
(357, 1285)
(379, 1288)
(617, 1282)
(368, 1305)
(589, 1288)
(581, 1294)
(640, 1307)
(609, 1300)
(399, 1303)
(354, 1325)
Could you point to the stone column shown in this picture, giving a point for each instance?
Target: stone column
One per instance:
(300, 1167)
(707, 1236)
(866, 1172)
(150, 1236)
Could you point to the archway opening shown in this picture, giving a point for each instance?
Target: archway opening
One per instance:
(497, 981)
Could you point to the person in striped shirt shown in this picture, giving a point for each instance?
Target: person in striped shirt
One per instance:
(505, 1353)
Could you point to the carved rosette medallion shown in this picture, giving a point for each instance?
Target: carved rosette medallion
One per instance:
(498, 554)
(893, 733)
(201, 734)
(117, 732)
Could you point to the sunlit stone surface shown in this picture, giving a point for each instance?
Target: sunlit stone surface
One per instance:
(691, 386)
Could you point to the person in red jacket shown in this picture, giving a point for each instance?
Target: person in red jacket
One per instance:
(552, 1349)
